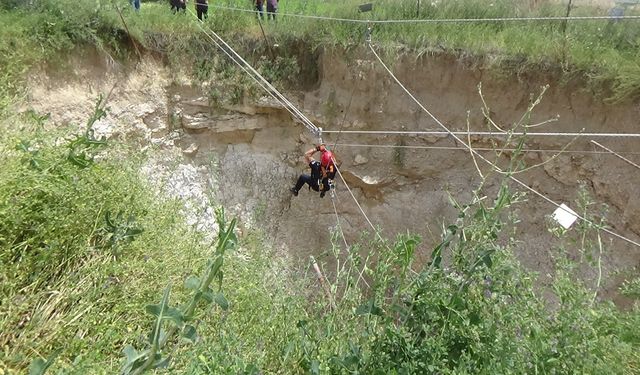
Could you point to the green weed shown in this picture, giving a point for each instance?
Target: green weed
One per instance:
(602, 51)
(399, 154)
(180, 318)
(84, 244)
(64, 223)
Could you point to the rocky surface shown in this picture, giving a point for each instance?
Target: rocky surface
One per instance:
(248, 155)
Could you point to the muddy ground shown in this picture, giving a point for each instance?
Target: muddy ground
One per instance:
(249, 154)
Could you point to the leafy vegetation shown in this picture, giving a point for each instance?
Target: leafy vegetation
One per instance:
(85, 243)
(138, 363)
(76, 279)
(602, 53)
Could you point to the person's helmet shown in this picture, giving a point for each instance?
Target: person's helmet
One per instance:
(327, 158)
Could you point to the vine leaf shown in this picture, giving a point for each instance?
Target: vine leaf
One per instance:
(189, 333)
(192, 282)
(167, 313)
(369, 307)
(222, 301)
(134, 359)
(39, 365)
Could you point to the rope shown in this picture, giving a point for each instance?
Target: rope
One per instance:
(357, 203)
(492, 134)
(487, 160)
(262, 82)
(314, 129)
(335, 144)
(616, 154)
(375, 230)
(346, 245)
(361, 272)
(487, 149)
(436, 20)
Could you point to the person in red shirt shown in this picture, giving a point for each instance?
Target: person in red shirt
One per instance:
(327, 168)
(322, 172)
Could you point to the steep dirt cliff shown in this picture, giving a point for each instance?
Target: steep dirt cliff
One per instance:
(250, 153)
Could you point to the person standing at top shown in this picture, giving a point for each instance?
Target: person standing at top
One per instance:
(136, 5)
(178, 5)
(272, 8)
(202, 8)
(260, 8)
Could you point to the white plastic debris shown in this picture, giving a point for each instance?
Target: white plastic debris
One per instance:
(565, 216)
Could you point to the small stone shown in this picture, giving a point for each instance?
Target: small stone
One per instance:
(359, 160)
(531, 156)
(359, 124)
(191, 150)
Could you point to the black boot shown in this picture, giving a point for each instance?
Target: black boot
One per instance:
(294, 191)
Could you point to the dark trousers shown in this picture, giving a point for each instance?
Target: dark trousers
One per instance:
(259, 8)
(313, 183)
(271, 11)
(176, 6)
(306, 179)
(201, 10)
(325, 181)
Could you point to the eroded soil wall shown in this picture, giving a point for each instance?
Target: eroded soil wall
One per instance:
(250, 152)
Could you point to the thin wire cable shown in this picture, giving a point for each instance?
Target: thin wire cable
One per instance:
(616, 154)
(484, 133)
(361, 272)
(357, 203)
(247, 68)
(375, 230)
(314, 129)
(335, 209)
(335, 144)
(265, 88)
(488, 161)
(487, 149)
(251, 75)
(438, 20)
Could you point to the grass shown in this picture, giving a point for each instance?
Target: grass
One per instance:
(75, 284)
(75, 281)
(90, 303)
(602, 53)
(63, 270)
